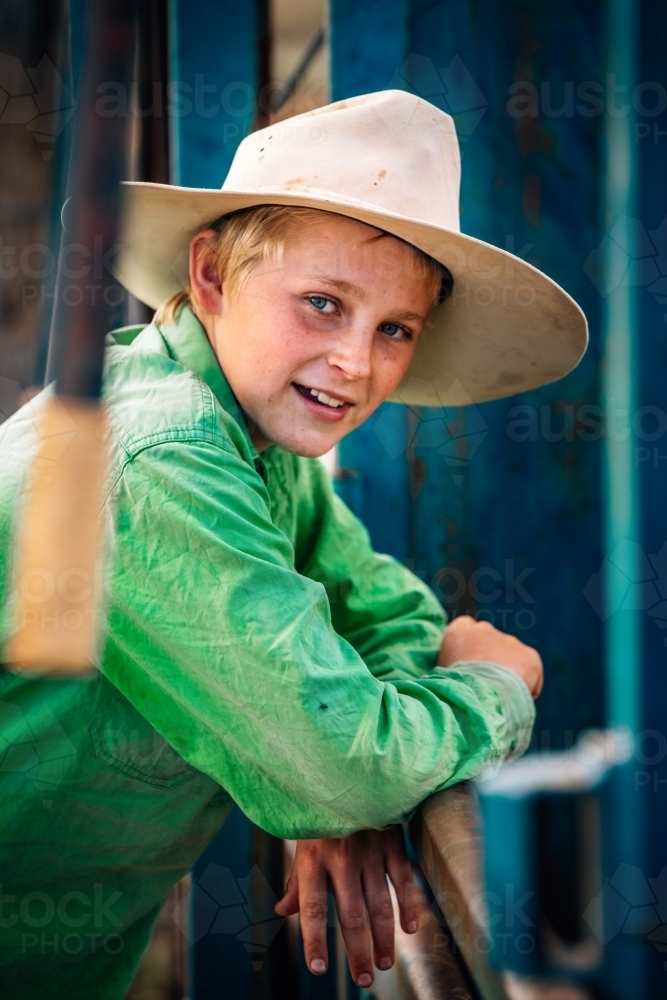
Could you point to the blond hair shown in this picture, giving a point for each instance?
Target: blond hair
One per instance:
(250, 236)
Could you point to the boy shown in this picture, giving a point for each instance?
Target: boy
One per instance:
(256, 649)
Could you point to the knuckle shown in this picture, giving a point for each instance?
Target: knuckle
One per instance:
(353, 921)
(341, 852)
(315, 909)
(405, 879)
(311, 868)
(382, 911)
(310, 861)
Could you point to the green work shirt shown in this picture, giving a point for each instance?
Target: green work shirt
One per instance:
(255, 650)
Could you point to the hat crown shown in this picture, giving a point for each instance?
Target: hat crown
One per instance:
(389, 150)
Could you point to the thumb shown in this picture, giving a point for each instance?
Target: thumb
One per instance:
(290, 901)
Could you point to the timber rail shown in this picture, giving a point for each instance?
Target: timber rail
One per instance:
(447, 958)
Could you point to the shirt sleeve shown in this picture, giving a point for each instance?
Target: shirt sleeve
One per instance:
(390, 616)
(231, 655)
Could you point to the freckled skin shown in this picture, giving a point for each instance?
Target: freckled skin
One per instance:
(341, 313)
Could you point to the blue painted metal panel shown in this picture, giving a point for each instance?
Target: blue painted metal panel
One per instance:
(626, 963)
(213, 91)
(376, 483)
(646, 149)
(368, 45)
(510, 883)
(524, 503)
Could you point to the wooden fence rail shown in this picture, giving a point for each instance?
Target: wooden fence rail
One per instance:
(446, 833)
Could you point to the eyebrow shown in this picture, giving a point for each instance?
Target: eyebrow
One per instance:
(358, 293)
(344, 286)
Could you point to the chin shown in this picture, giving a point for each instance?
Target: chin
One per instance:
(307, 450)
(305, 447)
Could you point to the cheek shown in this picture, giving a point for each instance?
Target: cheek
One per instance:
(389, 368)
(268, 366)
(277, 332)
(262, 353)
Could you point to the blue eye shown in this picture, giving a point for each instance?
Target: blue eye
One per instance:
(391, 329)
(320, 303)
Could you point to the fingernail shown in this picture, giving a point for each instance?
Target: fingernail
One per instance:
(318, 965)
(386, 963)
(364, 979)
(412, 927)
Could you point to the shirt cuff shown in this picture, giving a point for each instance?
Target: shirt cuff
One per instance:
(517, 704)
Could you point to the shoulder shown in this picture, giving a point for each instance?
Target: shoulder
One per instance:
(153, 399)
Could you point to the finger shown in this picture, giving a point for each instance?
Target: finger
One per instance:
(355, 927)
(403, 881)
(290, 900)
(313, 905)
(461, 622)
(381, 913)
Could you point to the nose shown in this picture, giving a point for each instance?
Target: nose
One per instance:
(352, 354)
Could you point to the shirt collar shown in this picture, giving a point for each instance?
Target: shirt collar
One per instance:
(189, 345)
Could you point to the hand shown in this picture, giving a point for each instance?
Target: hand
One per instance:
(465, 639)
(356, 868)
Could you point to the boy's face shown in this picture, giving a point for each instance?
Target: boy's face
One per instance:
(339, 317)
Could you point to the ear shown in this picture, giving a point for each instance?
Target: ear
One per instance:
(205, 281)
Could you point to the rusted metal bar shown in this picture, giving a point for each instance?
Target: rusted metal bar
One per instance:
(149, 122)
(99, 160)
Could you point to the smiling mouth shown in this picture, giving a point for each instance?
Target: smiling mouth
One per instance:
(323, 398)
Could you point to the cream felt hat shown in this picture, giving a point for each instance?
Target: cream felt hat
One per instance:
(390, 160)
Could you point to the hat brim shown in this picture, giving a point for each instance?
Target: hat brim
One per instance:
(506, 328)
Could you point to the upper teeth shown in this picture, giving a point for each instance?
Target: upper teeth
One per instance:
(327, 400)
